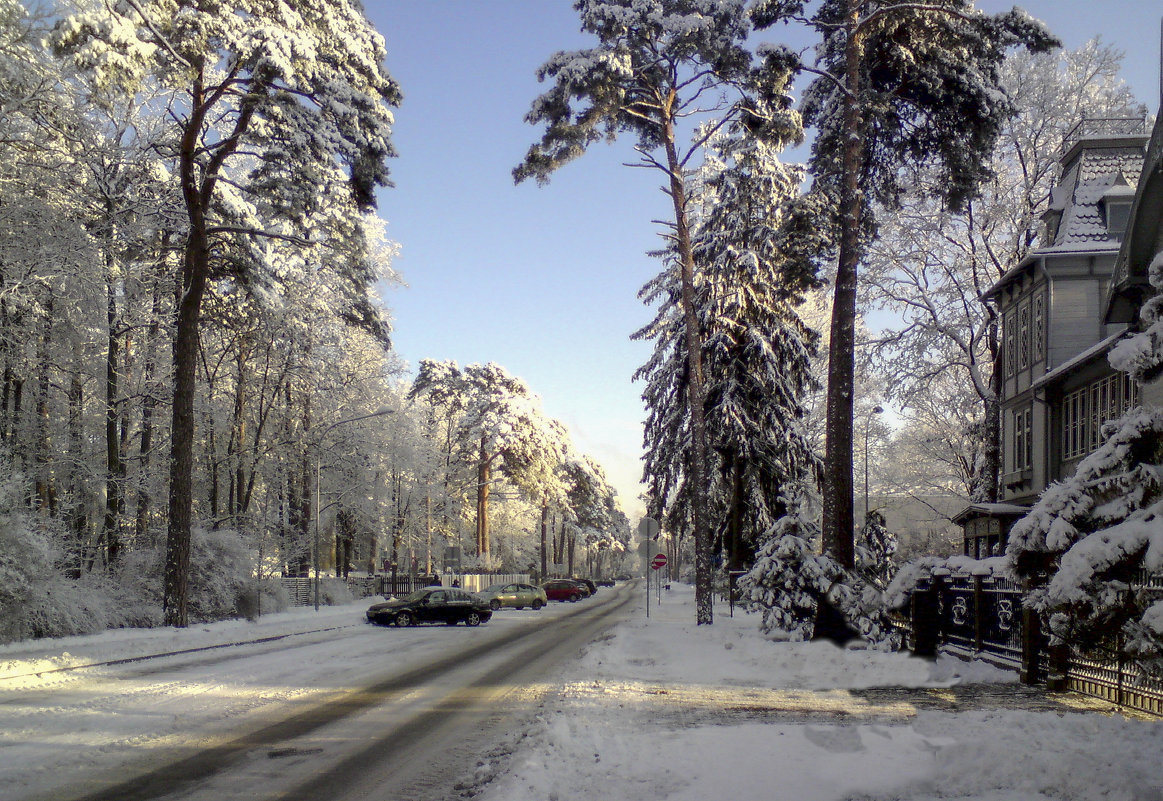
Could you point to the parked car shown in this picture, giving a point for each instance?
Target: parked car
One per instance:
(564, 590)
(517, 596)
(606, 582)
(588, 584)
(431, 605)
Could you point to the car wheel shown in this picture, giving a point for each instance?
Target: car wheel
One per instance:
(573, 598)
(495, 604)
(537, 604)
(473, 619)
(403, 619)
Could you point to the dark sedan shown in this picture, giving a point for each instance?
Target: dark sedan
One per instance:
(447, 605)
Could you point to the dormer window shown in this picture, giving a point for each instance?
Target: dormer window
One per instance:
(1116, 206)
(1117, 216)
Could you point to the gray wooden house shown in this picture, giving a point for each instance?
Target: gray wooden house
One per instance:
(1064, 307)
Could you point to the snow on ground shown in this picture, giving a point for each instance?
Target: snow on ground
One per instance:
(657, 709)
(664, 709)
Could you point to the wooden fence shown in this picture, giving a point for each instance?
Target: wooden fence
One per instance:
(985, 617)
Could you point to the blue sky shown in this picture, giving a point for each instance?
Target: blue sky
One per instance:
(544, 281)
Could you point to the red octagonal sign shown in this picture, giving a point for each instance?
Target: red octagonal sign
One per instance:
(659, 561)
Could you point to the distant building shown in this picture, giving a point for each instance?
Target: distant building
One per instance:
(1064, 307)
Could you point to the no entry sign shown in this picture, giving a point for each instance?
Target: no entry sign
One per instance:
(658, 562)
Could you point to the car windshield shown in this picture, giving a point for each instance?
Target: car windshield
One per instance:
(493, 588)
(417, 596)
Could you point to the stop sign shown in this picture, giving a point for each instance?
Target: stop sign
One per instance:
(658, 561)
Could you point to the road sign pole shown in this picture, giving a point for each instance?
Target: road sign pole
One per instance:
(648, 593)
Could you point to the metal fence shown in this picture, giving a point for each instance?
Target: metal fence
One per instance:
(984, 616)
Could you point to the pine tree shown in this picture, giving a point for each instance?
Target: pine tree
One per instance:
(657, 65)
(500, 429)
(750, 274)
(899, 84)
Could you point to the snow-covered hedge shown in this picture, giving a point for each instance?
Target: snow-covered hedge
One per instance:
(40, 599)
(912, 573)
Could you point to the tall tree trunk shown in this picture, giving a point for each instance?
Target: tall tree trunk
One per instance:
(148, 403)
(198, 184)
(570, 545)
(544, 535)
(696, 388)
(483, 477)
(7, 422)
(238, 434)
(735, 522)
(78, 519)
(42, 458)
(838, 520)
(114, 467)
(988, 471)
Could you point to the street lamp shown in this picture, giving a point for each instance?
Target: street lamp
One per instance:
(318, 458)
(868, 422)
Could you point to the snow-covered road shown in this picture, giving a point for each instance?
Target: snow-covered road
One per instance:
(313, 705)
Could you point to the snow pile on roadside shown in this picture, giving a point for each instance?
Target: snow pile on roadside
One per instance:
(665, 709)
(32, 656)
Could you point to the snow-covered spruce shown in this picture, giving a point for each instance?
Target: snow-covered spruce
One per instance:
(756, 350)
(790, 577)
(1095, 532)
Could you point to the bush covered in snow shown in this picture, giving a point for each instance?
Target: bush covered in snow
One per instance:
(790, 578)
(1095, 532)
(40, 596)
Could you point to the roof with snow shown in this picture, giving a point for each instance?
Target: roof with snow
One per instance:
(1102, 161)
(1129, 285)
(1102, 158)
(989, 510)
(1094, 351)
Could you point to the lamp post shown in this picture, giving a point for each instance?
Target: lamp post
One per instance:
(867, 423)
(318, 458)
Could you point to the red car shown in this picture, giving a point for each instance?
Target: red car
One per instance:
(564, 590)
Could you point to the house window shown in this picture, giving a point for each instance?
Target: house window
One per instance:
(1024, 336)
(1023, 450)
(1118, 213)
(1039, 329)
(1024, 330)
(1011, 341)
(1085, 410)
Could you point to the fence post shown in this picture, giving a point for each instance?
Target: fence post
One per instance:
(1031, 646)
(978, 623)
(924, 616)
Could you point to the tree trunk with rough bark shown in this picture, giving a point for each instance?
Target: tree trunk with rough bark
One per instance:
(838, 518)
(696, 386)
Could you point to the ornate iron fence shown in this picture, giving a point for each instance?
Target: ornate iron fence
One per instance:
(985, 616)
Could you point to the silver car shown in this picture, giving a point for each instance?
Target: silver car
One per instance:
(517, 596)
